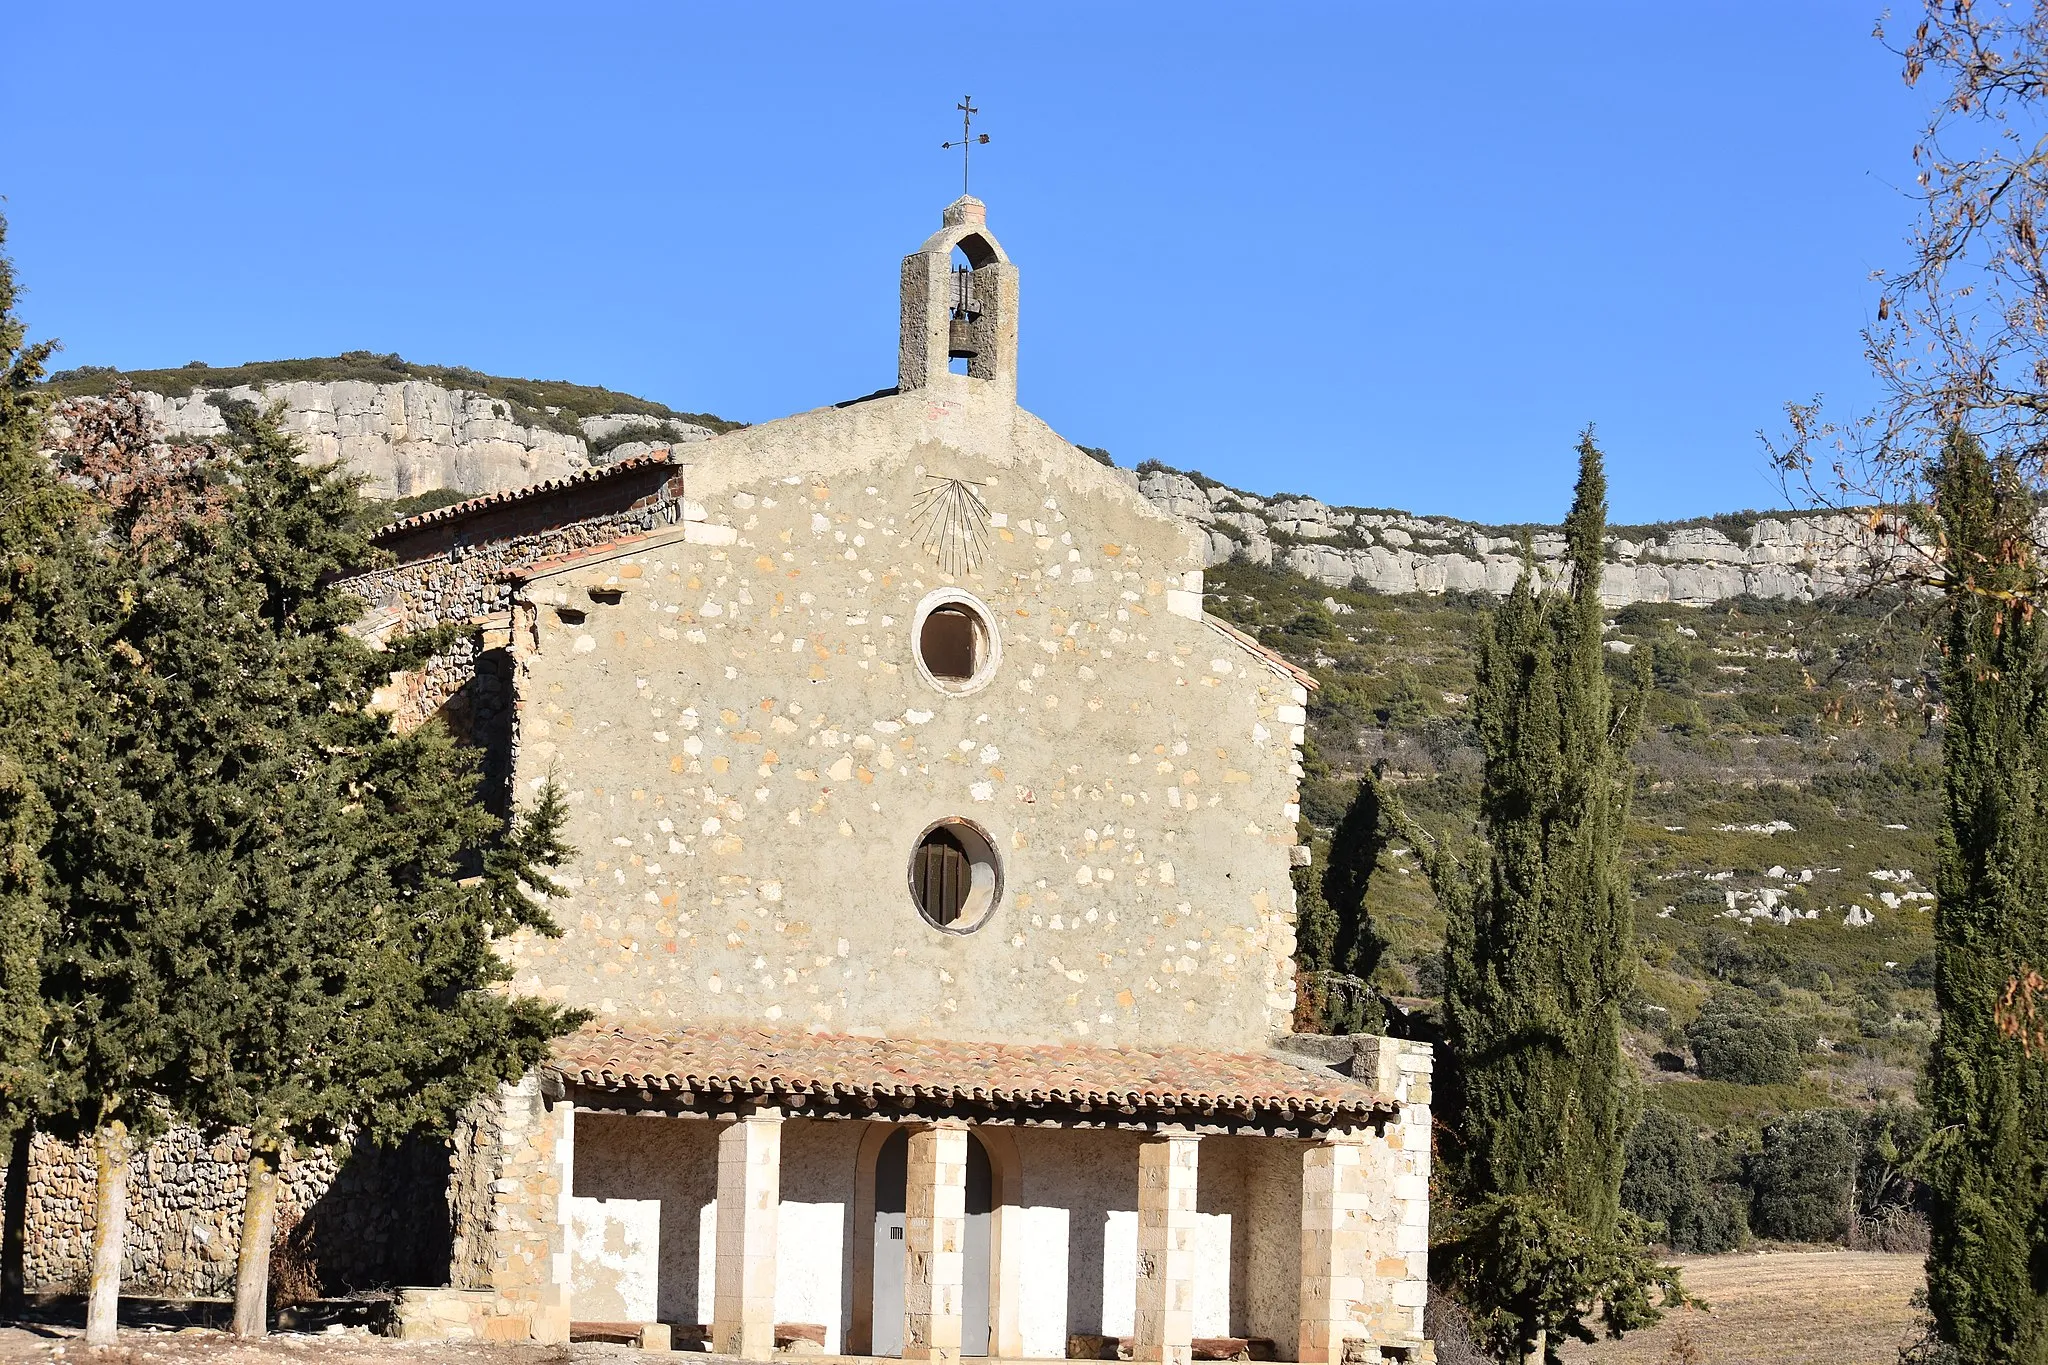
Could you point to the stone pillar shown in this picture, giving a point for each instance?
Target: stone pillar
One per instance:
(526, 1260)
(1365, 1216)
(1335, 1227)
(935, 1243)
(1164, 1327)
(749, 1202)
(1401, 1070)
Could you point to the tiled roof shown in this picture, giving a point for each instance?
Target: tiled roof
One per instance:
(532, 490)
(839, 1067)
(1271, 656)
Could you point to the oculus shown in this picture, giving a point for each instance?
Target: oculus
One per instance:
(955, 877)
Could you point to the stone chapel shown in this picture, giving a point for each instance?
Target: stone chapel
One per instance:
(931, 902)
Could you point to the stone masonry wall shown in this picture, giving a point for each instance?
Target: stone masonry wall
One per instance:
(357, 1221)
(749, 754)
(463, 572)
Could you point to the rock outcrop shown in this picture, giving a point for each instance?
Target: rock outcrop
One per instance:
(417, 436)
(1796, 557)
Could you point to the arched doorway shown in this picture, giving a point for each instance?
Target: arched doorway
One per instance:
(892, 1165)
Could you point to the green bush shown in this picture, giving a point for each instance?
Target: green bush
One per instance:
(1667, 1182)
(1735, 1039)
(1801, 1182)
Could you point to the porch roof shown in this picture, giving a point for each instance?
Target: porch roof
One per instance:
(805, 1070)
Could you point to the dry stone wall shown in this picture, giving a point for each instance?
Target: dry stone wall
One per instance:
(1795, 557)
(354, 1221)
(414, 437)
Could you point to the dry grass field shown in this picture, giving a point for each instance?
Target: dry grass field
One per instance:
(1780, 1307)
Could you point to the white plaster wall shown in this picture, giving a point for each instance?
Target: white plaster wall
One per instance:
(814, 1232)
(672, 1163)
(1120, 1273)
(1211, 1278)
(749, 753)
(663, 1172)
(1212, 1274)
(1078, 1181)
(1079, 1198)
(614, 1259)
(1042, 1282)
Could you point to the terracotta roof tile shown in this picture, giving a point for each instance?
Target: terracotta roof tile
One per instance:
(532, 490)
(752, 1061)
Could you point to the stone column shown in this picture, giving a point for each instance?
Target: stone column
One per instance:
(749, 1201)
(526, 1261)
(1401, 1070)
(1164, 1327)
(935, 1243)
(1365, 1215)
(1335, 1231)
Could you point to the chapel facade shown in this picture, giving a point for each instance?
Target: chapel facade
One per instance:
(931, 902)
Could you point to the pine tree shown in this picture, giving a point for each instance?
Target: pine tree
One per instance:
(1986, 1086)
(1537, 963)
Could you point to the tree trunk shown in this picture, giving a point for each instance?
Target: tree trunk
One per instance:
(252, 1263)
(14, 1222)
(1540, 1352)
(109, 1227)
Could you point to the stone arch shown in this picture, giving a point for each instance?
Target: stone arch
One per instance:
(1004, 1189)
(973, 240)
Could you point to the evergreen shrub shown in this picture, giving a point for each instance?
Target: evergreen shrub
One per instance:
(1734, 1039)
(1668, 1182)
(1801, 1183)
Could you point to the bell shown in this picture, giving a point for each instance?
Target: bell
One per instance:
(960, 340)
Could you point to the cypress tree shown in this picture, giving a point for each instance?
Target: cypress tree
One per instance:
(1538, 960)
(34, 510)
(136, 908)
(38, 524)
(1986, 1087)
(347, 996)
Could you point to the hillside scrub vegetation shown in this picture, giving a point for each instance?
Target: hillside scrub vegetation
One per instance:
(1778, 852)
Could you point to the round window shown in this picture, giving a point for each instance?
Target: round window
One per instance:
(953, 637)
(955, 878)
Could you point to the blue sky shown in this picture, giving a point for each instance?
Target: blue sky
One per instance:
(1391, 256)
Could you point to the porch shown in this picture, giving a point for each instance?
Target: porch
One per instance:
(757, 1194)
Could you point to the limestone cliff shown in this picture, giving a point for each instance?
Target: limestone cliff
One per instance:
(416, 436)
(1796, 557)
(432, 427)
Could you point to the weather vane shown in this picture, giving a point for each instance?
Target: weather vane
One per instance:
(968, 137)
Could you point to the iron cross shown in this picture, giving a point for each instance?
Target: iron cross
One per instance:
(968, 137)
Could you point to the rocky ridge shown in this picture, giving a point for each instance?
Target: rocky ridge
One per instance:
(1796, 557)
(416, 436)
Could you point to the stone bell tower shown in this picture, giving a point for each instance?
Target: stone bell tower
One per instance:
(969, 313)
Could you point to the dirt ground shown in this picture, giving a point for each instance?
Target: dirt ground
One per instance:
(1770, 1308)
(202, 1346)
(1782, 1307)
